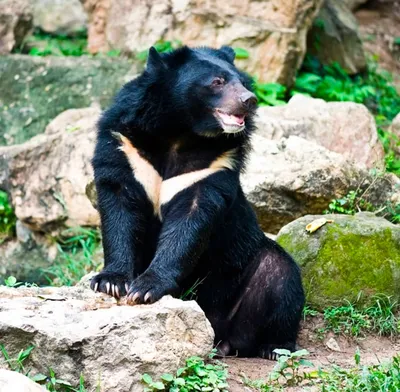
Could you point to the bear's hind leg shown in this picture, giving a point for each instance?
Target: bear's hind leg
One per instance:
(267, 314)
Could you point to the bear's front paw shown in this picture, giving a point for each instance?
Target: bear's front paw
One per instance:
(111, 283)
(149, 288)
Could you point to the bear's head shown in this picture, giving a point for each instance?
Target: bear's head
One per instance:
(200, 90)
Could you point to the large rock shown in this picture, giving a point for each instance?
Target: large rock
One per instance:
(273, 32)
(344, 127)
(16, 21)
(334, 37)
(17, 382)
(76, 331)
(353, 254)
(292, 177)
(59, 16)
(33, 90)
(47, 176)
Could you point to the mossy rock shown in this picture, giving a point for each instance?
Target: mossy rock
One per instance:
(34, 90)
(353, 255)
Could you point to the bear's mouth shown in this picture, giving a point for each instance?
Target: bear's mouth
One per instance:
(231, 123)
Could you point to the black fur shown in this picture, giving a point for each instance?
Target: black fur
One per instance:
(250, 287)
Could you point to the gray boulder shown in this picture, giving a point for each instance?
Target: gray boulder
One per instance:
(347, 128)
(289, 178)
(76, 331)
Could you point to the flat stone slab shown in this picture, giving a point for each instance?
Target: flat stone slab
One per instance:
(76, 331)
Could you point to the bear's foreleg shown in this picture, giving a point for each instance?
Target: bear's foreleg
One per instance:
(125, 211)
(188, 221)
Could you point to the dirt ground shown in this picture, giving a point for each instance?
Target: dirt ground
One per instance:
(373, 350)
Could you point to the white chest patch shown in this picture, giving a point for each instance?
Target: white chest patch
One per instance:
(160, 192)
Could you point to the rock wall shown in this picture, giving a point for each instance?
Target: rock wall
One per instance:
(274, 31)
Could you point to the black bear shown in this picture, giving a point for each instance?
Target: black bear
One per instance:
(167, 162)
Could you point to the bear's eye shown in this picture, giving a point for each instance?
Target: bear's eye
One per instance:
(218, 82)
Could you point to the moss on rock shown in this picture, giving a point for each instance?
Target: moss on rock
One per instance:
(34, 90)
(353, 255)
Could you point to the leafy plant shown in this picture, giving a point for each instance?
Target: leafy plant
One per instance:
(350, 204)
(271, 94)
(309, 312)
(195, 376)
(54, 384)
(377, 378)
(77, 248)
(7, 217)
(288, 367)
(11, 281)
(44, 44)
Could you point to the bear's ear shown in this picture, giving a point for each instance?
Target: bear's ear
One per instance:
(154, 61)
(228, 52)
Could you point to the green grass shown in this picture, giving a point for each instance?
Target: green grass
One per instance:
(291, 371)
(7, 218)
(77, 250)
(49, 381)
(381, 317)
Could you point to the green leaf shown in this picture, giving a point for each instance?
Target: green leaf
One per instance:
(167, 377)
(299, 353)
(11, 281)
(25, 354)
(158, 385)
(200, 372)
(306, 363)
(39, 378)
(180, 381)
(146, 378)
(63, 383)
(357, 357)
(241, 53)
(282, 351)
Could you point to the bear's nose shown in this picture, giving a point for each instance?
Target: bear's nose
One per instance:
(248, 99)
